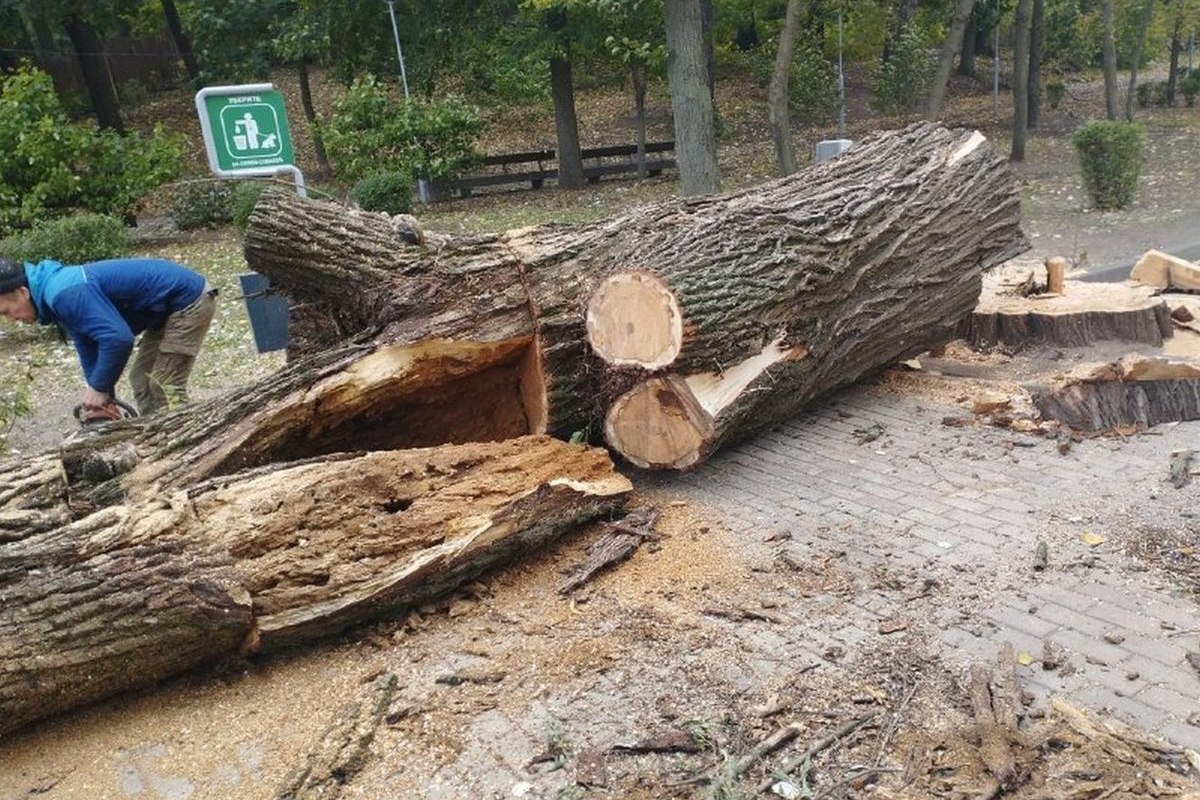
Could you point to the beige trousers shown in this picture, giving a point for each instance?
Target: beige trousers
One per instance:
(165, 356)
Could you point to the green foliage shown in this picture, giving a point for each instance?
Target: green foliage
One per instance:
(369, 130)
(202, 204)
(16, 384)
(388, 191)
(1056, 90)
(50, 165)
(71, 240)
(812, 85)
(902, 82)
(1110, 156)
(242, 200)
(1190, 87)
(1152, 93)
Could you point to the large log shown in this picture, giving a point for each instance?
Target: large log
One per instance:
(268, 558)
(757, 302)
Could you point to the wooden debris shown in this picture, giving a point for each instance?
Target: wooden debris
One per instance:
(843, 731)
(344, 748)
(1056, 270)
(1165, 271)
(1138, 391)
(624, 537)
(674, 741)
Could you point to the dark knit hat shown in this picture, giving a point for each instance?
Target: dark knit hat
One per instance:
(12, 275)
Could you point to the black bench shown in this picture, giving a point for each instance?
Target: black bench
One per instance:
(535, 167)
(622, 158)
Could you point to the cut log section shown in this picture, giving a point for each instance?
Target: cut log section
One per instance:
(1165, 271)
(273, 557)
(1134, 392)
(1080, 314)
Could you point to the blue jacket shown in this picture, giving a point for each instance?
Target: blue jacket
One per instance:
(102, 306)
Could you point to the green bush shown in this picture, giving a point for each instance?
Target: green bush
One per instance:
(1190, 87)
(903, 81)
(1110, 155)
(71, 240)
(390, 192)
(242, 200)
(202, 204)
(368, 131)
(1056, 90)
(50, 166)
(812, 84)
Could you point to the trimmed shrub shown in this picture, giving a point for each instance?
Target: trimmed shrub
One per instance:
(388, 191)
(242, 201)
(71, 240)
(203, 204)
(1110, 156)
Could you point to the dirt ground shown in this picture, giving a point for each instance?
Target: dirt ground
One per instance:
(454, 692)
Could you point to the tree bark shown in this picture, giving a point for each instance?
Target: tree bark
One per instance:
(1037, 53)
(780, 119)
(310, 115)
(1108, 59)
(691, 101)
(89, 49)
(1173, 69)
(1020, 80)
(958, 26)
(1136, 58)
(566, 124)
(1135, 392)
(270, 558)
(637, 75)
(182, 43)
(966, 57)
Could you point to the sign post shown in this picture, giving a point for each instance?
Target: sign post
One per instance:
(246, 132)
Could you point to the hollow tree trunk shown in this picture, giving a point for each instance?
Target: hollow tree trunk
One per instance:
(270, 558)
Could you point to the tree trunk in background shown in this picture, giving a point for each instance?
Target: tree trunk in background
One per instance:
(780, 119)
(637, 75)
(691, 102)
(966, 57)
(710, 56)
(1176, 49)
(958, 26)
(1135, 60)
(138, 592)
(1037, 53)
(182, 43)
(310, 114)
(1020, 80)
(1108, 60)
(566, 124)
(901, 14)
(90, 51)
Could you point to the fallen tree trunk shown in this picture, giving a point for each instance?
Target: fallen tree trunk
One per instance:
(756, 302)
(272, 557)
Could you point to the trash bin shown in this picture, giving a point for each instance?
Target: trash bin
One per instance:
(268, 312)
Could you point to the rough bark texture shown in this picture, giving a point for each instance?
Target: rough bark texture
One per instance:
(1037, 53)
(1134, 392)
(1108, 58)
(691, 101)
(1020, 79)
(781, 121)
(269, 558)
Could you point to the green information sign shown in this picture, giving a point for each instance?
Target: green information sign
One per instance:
(245, 131)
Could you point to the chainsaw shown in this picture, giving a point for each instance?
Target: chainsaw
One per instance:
(109, 412)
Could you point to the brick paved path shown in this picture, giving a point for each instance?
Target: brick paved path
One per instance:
(969, 506)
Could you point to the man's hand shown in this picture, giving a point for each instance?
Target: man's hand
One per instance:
(93, 399)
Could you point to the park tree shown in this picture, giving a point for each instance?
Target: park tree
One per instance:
(780, 118)
(635, 41)
(1147, 13)
(691, 102)
(183, 42)
(1108, 58)
(951, 45)
(1037, 54)
(1020, 80)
